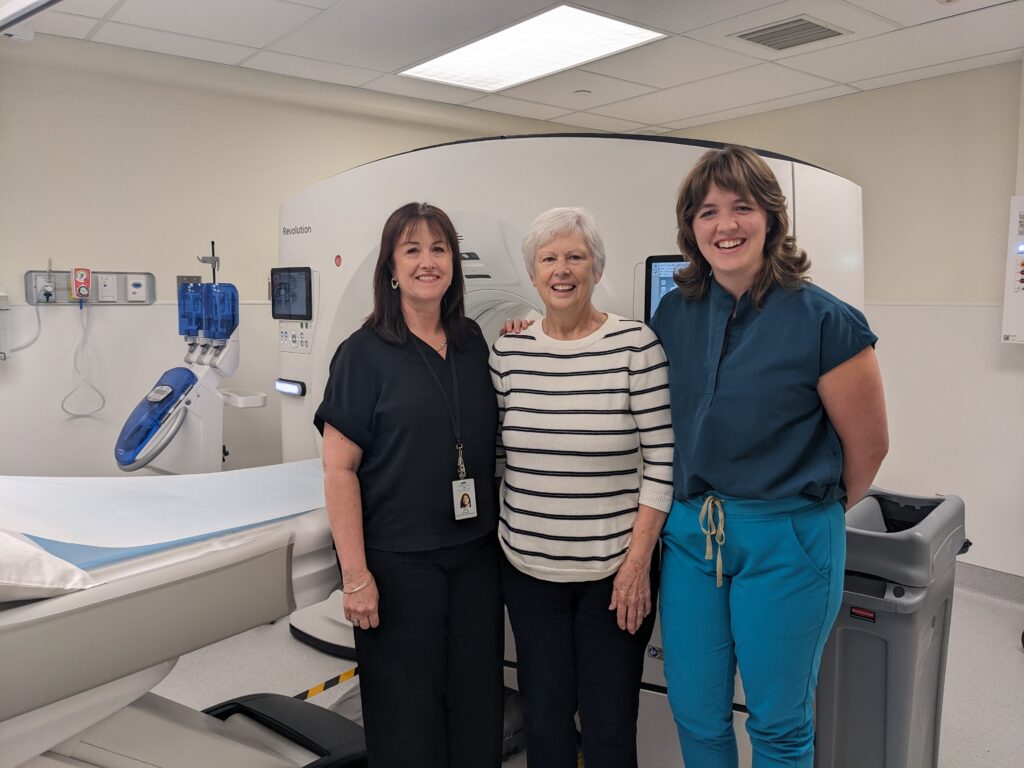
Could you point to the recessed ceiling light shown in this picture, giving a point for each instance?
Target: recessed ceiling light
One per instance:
(559, 39)
(16, 11)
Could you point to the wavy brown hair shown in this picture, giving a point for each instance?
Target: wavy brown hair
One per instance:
(741, 171)
(387, 319)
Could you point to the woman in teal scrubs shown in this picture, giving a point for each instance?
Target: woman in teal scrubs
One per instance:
(780, 425)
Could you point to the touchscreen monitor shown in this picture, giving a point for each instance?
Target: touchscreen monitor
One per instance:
(291, 293)
(658, 272)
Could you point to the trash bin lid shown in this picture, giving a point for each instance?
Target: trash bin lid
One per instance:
(904, 539)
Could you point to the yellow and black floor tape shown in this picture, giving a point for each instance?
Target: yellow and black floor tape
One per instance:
(326, 684)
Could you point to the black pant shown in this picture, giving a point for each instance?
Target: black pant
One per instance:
(572, 655)
(431, 673)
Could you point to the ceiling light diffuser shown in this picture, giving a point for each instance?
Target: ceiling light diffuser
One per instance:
(16, 11)
(559, 39)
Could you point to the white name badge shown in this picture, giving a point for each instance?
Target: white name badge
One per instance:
(464, 499)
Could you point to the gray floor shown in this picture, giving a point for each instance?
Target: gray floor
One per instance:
(983, 711)
(263, 660)
(983, 716)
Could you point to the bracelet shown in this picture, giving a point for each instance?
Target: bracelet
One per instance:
(363, 585)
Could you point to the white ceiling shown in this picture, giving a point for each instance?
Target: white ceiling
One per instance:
(701, 72)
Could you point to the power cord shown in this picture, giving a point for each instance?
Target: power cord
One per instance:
(35, 337)
(81, 360)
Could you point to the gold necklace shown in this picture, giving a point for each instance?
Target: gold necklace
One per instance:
(440, 347)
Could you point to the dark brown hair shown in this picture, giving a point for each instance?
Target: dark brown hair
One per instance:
(386, 319)
(741, 171)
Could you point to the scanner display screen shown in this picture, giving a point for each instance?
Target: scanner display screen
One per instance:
(291, 293)
(658, 280)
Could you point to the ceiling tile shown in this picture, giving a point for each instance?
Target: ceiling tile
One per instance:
(669, 62)
(962, 65)
(167, 42)
(1000, 28)
(675, 15)
(392, 35)
(421, 89)
(321, 4)
(244, 22)
(599, 122)
(652, 130)
(53, 23)
(858, 23)
(323, 71)
(516, 107)
(96, 9)
(576, 90)
(716, 94)
(766, 106)
(907, 13)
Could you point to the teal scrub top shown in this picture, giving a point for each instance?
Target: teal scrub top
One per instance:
(746, 413)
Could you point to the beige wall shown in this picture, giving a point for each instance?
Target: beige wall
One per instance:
(936, 160)
(1020, 136)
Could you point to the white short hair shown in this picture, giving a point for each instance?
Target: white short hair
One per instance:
(563, 221)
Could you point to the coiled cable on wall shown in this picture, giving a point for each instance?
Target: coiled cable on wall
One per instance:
(81, 360)
(35, 337)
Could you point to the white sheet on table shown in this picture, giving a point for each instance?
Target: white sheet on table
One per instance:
(135, 511)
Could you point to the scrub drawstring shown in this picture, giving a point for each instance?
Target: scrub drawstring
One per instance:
(712, 525)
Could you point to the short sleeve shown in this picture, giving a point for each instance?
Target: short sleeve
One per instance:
(844, 333)
(352, 392)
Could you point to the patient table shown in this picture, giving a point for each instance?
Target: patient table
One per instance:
(182, 562)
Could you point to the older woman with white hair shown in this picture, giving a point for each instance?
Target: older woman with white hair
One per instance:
(587, 440)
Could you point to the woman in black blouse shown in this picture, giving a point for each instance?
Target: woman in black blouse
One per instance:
(408, 421)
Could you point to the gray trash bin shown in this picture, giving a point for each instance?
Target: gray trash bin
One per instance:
(879, 698)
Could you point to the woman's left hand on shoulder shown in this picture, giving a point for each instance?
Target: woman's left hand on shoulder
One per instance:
(631, 594)
(515, 326)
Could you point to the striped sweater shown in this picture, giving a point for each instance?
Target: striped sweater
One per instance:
(586, 435)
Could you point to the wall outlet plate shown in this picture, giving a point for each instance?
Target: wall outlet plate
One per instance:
(106, 288)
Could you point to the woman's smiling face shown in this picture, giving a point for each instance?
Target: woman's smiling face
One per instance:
(730, 231)
(563, 272)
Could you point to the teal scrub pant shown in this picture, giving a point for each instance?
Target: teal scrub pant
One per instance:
(781, 588)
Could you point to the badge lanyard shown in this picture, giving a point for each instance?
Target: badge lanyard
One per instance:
(454, 416)
(463, 489)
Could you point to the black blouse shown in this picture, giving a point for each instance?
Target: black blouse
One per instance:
(382, 398)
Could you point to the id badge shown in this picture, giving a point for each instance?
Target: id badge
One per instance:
(464, 499)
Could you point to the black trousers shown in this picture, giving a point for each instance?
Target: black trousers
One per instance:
(572, 655)
(431, 673)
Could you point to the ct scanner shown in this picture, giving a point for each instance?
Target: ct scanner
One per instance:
(492, 189)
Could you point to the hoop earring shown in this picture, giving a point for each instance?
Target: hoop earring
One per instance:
(394, 284)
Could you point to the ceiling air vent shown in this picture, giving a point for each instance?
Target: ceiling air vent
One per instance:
(789, 34)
